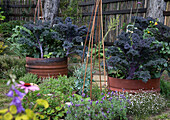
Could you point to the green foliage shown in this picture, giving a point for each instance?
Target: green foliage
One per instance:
(17, 48)
(30, 78)
(96, 93)
(98, 52)
(74, 59)
(165, 88)
(162, 35)
(65, 84)
(164, 116)
(48, 55)
(69, 8)
(142, 102)
(79, 74)
(6, 28)
(1, 16)
(11, 65)
(56, 92)
(42, 103)
(114, 22)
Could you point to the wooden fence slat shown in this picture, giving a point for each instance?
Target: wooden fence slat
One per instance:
(115, 12)
(19, 15)
(104, 2)
(22, 6)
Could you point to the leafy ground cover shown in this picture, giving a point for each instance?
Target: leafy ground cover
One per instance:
(4, 101)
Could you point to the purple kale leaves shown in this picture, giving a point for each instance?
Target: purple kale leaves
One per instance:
(63, 37)
(135, 58)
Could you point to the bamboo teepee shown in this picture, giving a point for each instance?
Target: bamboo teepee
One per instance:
(97, 13)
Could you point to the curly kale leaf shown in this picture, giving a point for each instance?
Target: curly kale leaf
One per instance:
(144, 75)
(71, 34)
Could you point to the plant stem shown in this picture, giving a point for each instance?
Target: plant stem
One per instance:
(41, 50)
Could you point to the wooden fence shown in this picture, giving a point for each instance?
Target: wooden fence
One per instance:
(18, 9)
(114, 8)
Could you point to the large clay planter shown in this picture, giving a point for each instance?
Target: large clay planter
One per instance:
(47, 67)
(133, 86)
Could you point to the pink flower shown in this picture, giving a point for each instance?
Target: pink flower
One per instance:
(139, 3)
(28, 86)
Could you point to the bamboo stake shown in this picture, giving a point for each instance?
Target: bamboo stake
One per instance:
(41, 11)
(35, 13)
(99, 49)
(87, 35)
(91, 67)
(166, 23)
(38, 9)
(96, 37)
(103, 42)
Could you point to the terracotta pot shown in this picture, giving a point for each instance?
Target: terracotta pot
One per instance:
(133, 86)
(47, 67)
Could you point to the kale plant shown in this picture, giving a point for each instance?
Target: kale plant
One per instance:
(71, 35)
(135, 56)
(38, 38)
(150, 27)
(42, 40)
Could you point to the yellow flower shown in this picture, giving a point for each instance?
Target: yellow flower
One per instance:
(156, 23)
(148, 32)
(150, 22)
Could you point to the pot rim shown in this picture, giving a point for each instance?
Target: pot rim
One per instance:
(132, 79)
(30, 60)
